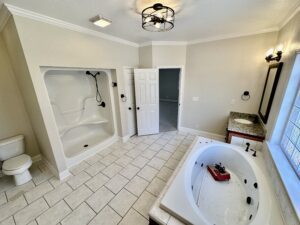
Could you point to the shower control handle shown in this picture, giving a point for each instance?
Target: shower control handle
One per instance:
(129, 108)
(138, 108)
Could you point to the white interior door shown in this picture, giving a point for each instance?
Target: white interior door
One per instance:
(147, 100)
(130, 103)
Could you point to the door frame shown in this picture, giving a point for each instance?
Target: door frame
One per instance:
(127, 136)
(181, 89)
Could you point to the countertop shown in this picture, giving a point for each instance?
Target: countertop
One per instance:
(256, 129)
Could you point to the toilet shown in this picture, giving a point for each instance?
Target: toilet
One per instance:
(14, 161)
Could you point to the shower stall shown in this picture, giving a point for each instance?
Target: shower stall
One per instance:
(82, 104)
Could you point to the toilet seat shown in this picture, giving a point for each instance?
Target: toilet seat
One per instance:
(16, 165)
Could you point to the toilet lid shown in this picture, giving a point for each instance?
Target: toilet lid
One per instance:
(17, 162)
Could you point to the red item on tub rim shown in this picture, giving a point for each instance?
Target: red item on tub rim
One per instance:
(217, 175)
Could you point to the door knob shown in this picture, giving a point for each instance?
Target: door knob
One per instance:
(129, 108)
(138, 108)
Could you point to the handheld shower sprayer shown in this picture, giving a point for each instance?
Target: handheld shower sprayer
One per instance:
(98, 94)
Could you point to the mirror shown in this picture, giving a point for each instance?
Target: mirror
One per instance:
(269, 91)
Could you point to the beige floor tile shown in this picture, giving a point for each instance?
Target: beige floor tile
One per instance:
(149, 154)
(80, 216)
(107, 217)
(8, 221)
(172, 163)
(112, 170)
(99, 199)
(38, 191)
(156, 186)
(43, 175)
(123, 161)
(17, 191)
(95, 168)
(140, 161)
(12, 207)
(137, 185)
(165, 173)
(55, 214)
(129, 171)
(165, 155)
(144, 204)
(57, 194)
(148, 173)
(78, 180)
(161, 141)
(34, 223)
(156, 163)
(105, 152)
(108, 160)
(31, 212)
(116, 183)
(142, 146)
(92, 160)
(79, 168)
(119, 152)
(122, 202)
(3, 199)
(155, 147)
(133, 153)
(128, 146)
(97, 181)
(178, 155)
(78, 196)
(133, 217)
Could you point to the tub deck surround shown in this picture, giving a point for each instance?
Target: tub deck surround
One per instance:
(118, 185)
(256, 129)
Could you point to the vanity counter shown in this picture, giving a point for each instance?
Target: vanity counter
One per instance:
(255, 129)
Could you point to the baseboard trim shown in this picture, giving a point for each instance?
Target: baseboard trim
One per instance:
(125, 138)
(36, 158)
(60, 175)
(203, 133)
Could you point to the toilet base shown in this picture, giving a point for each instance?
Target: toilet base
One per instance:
(22, 178)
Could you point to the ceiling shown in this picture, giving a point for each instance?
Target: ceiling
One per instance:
(195, 19)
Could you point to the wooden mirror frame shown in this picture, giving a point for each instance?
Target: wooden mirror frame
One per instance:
(265, 117)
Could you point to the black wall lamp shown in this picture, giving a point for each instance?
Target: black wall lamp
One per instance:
(274, 55)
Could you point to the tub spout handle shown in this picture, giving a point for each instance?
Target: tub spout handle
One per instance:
(254, 152)
(247, 148)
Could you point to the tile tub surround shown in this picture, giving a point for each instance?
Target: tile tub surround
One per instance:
(116, 186)
(256, 129)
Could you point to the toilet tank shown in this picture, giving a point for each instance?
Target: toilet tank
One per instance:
(11, 147)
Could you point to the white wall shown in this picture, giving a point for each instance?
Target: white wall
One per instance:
(145, 57)
(218, 72)
(14, 119)
(168, 55)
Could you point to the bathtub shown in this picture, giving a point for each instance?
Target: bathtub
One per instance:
(195, 198)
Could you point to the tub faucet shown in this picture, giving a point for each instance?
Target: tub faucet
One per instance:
(254, 152)
(247, 148)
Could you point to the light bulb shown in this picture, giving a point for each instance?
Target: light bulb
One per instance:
(159, 15)
(279, 48)
(148, 19)
(270, 52)
(157, 25)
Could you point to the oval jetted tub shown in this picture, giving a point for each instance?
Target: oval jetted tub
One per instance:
(196, 198)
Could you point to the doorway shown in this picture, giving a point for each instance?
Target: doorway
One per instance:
(169, 81)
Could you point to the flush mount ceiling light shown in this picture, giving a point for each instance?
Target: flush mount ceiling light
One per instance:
(158, 18)
(100, 21)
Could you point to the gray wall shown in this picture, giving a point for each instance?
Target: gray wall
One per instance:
(168, 84)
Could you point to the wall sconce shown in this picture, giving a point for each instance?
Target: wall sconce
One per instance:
(276, 55)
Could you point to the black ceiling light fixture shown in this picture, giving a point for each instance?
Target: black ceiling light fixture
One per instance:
(158, 18)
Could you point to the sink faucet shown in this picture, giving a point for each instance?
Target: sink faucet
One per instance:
(247, 148)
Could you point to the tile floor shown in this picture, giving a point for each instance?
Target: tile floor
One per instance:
(116, 186)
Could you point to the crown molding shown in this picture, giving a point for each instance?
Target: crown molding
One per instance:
(290, 17)
(4, 16)
(60, 23)
(230, 36)
(163, 43)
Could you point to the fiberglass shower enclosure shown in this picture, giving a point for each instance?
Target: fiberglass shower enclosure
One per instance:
(83, 111)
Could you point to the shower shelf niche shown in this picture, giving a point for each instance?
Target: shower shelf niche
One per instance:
(82, 124)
